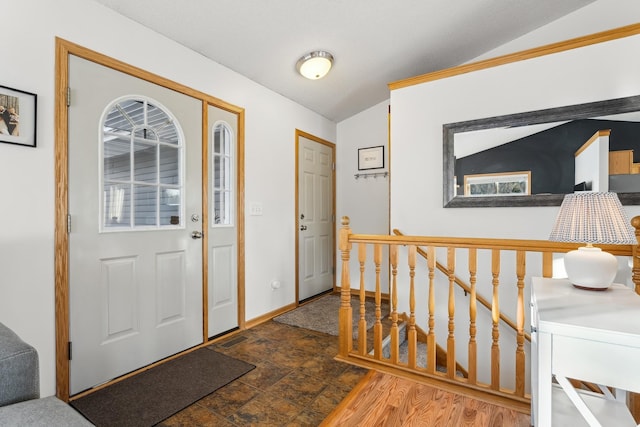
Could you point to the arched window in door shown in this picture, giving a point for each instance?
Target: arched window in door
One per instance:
(141, 166)
(223, 185)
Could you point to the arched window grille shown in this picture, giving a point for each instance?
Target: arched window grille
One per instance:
(142, 172)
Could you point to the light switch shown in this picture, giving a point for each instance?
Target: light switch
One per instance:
(255, 208)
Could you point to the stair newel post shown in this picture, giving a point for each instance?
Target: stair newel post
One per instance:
(451, 339)
(362, 325)
(634, 398)
(395, 338)
(495, 316)
(431, 334)
(377, 326)
(473, 347)
(635, 271)
(520, 356)
(412, 334)
(345, 319)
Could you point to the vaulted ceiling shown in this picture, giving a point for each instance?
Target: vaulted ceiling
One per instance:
(374, 42)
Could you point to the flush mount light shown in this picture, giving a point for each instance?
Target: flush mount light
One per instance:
(315, 65)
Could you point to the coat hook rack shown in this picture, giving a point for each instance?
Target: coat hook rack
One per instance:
(366, 175)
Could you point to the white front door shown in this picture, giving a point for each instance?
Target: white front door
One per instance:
(315, 216)
(135, 178)
(223, 222)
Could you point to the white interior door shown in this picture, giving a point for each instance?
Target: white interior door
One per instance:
(135, 273)
(222, 280)
(315, 218)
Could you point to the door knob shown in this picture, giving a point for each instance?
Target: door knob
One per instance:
(196, 235)
(303, 227)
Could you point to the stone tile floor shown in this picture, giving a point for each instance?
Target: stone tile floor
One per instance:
(296, 381)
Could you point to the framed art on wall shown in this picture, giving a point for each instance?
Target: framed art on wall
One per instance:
(17, 117)
(371, 158)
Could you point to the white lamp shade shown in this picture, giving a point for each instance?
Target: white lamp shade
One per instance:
(591, 217)
(315, 65)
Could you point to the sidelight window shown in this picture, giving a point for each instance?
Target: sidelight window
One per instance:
(222, 164)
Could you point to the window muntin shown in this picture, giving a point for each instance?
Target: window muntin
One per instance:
(222, 166)
(142, 173)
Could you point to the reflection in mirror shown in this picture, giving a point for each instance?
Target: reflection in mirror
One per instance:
(535, 158)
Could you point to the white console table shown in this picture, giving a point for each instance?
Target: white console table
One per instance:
(593, 336)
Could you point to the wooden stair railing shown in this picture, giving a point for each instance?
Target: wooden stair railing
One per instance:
(508, 388)
(441, 354)
(468, 288)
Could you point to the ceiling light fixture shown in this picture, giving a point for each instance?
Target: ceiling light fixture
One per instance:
(315, 65)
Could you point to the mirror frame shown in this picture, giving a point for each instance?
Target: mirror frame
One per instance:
(567, 113)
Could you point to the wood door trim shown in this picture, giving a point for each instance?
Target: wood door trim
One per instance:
(61, 245)
(205, 221)
(299, 133)
(64, 49)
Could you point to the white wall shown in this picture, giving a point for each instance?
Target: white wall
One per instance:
(592, 165)
(27, 218)
(593, 73)
(364, 200)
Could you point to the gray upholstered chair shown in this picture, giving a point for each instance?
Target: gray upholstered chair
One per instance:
(20, 403)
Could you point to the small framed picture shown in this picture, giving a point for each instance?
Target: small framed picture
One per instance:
(17, 117)
(371, 158)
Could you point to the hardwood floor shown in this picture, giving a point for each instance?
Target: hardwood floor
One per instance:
(385, 400)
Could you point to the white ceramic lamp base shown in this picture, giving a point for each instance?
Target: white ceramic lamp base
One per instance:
(590, 268)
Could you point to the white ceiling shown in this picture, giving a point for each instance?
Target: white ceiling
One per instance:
(374, 42)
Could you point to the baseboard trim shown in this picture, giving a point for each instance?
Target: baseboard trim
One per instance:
(270, 315)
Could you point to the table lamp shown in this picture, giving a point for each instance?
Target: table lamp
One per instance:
(592, 217)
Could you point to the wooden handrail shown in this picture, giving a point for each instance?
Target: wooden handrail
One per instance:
(543, 246)
(467, 289)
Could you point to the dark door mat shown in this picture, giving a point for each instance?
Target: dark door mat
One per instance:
(156, 394)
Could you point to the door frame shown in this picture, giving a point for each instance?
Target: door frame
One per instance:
(64, 49)
(299, 133)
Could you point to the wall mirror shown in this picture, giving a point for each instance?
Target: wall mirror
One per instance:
(535, 158)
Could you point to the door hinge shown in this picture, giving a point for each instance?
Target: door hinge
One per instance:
(333, 166)
(68, 224)
(68, 96)
(69, 350)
